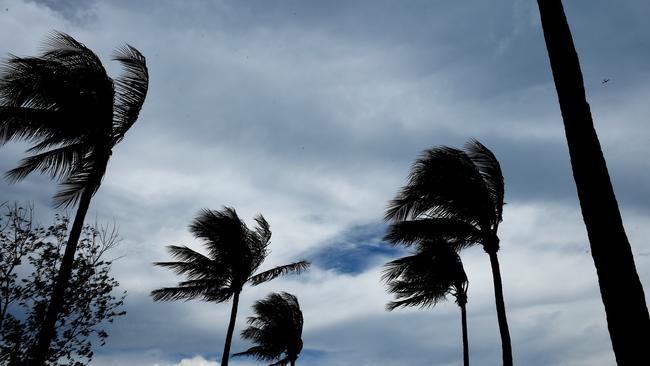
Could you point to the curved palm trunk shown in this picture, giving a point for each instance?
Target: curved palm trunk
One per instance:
(231, 328)
(463, 316)
(506, 347)
(620, 288)
(48, 328)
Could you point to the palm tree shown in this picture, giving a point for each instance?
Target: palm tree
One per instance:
(276, 329)
(234, 253)
(455, 195)
(620, 287)
(426, 277)
(73, 114)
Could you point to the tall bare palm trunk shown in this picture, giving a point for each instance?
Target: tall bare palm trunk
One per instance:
(231, 328)
(620, 288)
(506, 346)
(48, 328)
(463, 316)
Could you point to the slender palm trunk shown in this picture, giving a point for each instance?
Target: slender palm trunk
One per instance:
(506, 347)
(463, 317)
(231, 328)
(620, 288)
(48, 327)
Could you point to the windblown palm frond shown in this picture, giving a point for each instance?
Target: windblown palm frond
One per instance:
(460, 233)
(206, 279)
(219, 230)
(426, 277)
(192, 289)
(55, 162)
(86, 175)
(273, 273)
(451, 193)
(276, 329)
(130, 90)
(490, 170)
(445, 183)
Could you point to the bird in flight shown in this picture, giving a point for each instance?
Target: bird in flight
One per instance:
(605, 81)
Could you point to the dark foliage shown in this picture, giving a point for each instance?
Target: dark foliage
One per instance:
(234, 255)
(276, 330)
(459, 191)
(71, 112)
(426, 277)
(454, 196)
(29, 262)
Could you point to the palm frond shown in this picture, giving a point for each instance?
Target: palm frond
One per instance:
(58, 162)
(194, 265)
(258, 242)
(227, 240)
(490, 170)
(426, 277)
(189, 290)
(263, 229)
(443, 183)
(422, 300)
(273, 273)
(86, 175)
(130, 90)
(459, 233)
(261, 353)
(219, 230)
(62, 47)
(28, 124)
(31, 82)
(276, 328)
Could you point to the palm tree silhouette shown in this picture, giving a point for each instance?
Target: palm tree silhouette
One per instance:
(234, 253)
(426, 277)
(73, 114)
(620, 288)
(455, 195)
(276, 329)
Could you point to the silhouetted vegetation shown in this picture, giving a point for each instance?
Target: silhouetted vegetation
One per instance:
(234, 254)
(276, 330)
(424, 278)
(620, 287)
(31, 256)
(455, 196)
(73, 114)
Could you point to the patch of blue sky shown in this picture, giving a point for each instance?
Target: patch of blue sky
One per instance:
(355, 249)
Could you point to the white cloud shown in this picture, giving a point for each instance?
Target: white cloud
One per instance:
(196, 361)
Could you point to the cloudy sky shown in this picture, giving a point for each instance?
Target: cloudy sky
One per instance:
(311, 114)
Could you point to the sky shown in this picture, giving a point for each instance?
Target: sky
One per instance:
(311, 113)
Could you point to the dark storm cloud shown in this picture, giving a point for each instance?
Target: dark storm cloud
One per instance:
(74, 10)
